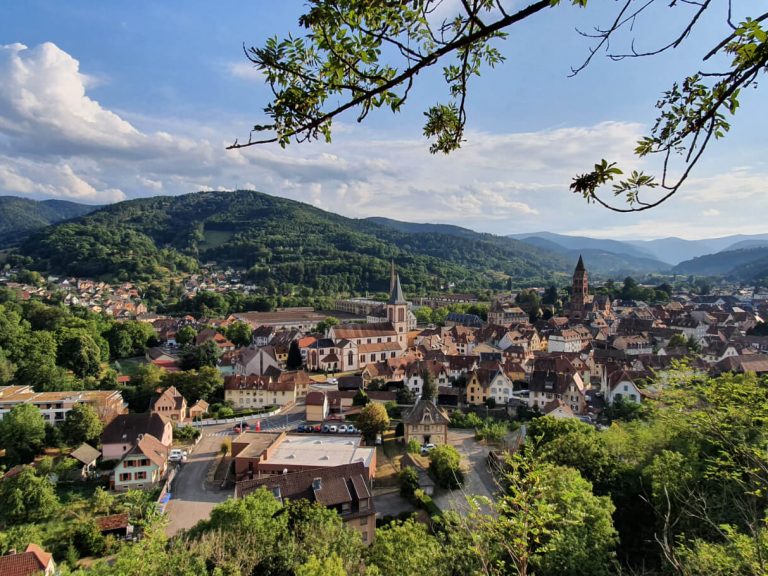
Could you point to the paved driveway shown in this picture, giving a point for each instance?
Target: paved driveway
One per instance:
(191, 501)
(478, 479)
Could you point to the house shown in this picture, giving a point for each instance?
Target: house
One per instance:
(33, 561)
(622, 385)
(486, 383)
(345, 488)
(558, 409)
(120, 435)
(506, 313)
(211, 335)
(142, 467)
(198, 410)
(256, 361)
(117, 525)
(87, 456)
(317, 406)
(259, 391)
(170, 404)
(548, 385)
(415, 372)
(426, 423)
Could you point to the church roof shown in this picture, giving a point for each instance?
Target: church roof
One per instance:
(396, 297)
(580, 264)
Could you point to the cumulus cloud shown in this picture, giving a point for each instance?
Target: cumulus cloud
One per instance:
(245, 71)
(57, 140)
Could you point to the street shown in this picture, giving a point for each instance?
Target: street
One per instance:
(191, 500)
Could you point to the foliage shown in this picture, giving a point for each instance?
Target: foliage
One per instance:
(129, 339)
(445, 466)
(360, 398)
(413, 446)
(82, 424)
(405, 396)
(294, 360)
(406, 548)
(27, 497)
(286, 247)
(19, 217)
(22, 433)
(429, 388)
(409, 480)
(373, 420)
(186, 433)
(194, 385)
(198, 357)
(239, 333)
(185, 336)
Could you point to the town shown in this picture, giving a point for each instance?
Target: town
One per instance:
(368, 412)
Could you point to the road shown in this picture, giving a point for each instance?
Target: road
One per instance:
(478, 479)
(191, 500)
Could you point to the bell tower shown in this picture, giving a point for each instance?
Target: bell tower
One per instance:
(397, 309)
(580, 292)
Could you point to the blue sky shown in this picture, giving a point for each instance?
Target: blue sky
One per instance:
(103, 101)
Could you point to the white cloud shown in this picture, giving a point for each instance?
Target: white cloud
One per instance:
(56, 140)
(245, 71)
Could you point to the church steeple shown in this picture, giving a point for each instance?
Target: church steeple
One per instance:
(396, 294)
(580, 264)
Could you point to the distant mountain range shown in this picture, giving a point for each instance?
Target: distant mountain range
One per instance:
(19, 217)
(670, 251)
(287, 243)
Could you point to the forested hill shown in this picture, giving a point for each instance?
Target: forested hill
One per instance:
(747, 264)
(282, 243)
(19, 217)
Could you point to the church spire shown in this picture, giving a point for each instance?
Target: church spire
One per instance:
(580, 265)
(396, 295)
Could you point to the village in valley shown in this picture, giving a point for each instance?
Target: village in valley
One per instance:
(364, 410)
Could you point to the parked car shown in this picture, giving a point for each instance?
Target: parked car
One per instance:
(326, 428)
(351, 429)
(318, 428)
(427, 448)
(333, 428)
(175, 455)
(343, 429)
(241, 427)
(301, 428)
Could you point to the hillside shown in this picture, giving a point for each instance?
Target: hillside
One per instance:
(740, 264)
(607, 257)
(19, 217)
(282, 243)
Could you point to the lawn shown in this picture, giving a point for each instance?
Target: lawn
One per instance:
(129, 366)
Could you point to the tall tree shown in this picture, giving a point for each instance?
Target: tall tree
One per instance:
(373, 420)
(27, 497)
(429, 388)
(82, 424)
(294, 360)
(80, 353)
(22, 433)
(240, 333)
(185, 336)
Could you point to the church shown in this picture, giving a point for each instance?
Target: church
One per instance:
(353, 346)
(584, 306)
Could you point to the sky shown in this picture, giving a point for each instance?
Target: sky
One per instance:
(106, 101)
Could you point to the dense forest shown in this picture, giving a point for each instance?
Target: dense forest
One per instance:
(19, 217)
(279, 242)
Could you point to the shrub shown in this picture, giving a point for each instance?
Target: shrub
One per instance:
(445, 466)
(186, 433)
(413, 446)
(409, 482)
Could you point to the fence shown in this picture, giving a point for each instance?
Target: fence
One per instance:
(236, 419)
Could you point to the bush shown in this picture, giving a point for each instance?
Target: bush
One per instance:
(186, 433)
(445, 466)
(409, 482)
(413, 446)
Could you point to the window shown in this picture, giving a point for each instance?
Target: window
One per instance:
(365, 535)
(140, 476)
(125, 477)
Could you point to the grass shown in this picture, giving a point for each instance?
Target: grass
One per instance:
(70, 492)
(129, 366)
(215, 238)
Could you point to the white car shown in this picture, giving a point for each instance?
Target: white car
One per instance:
(332, 429)
(427, 448)
(176, 455)
(343, 429)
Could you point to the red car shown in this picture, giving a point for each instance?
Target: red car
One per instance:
(242, 427)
